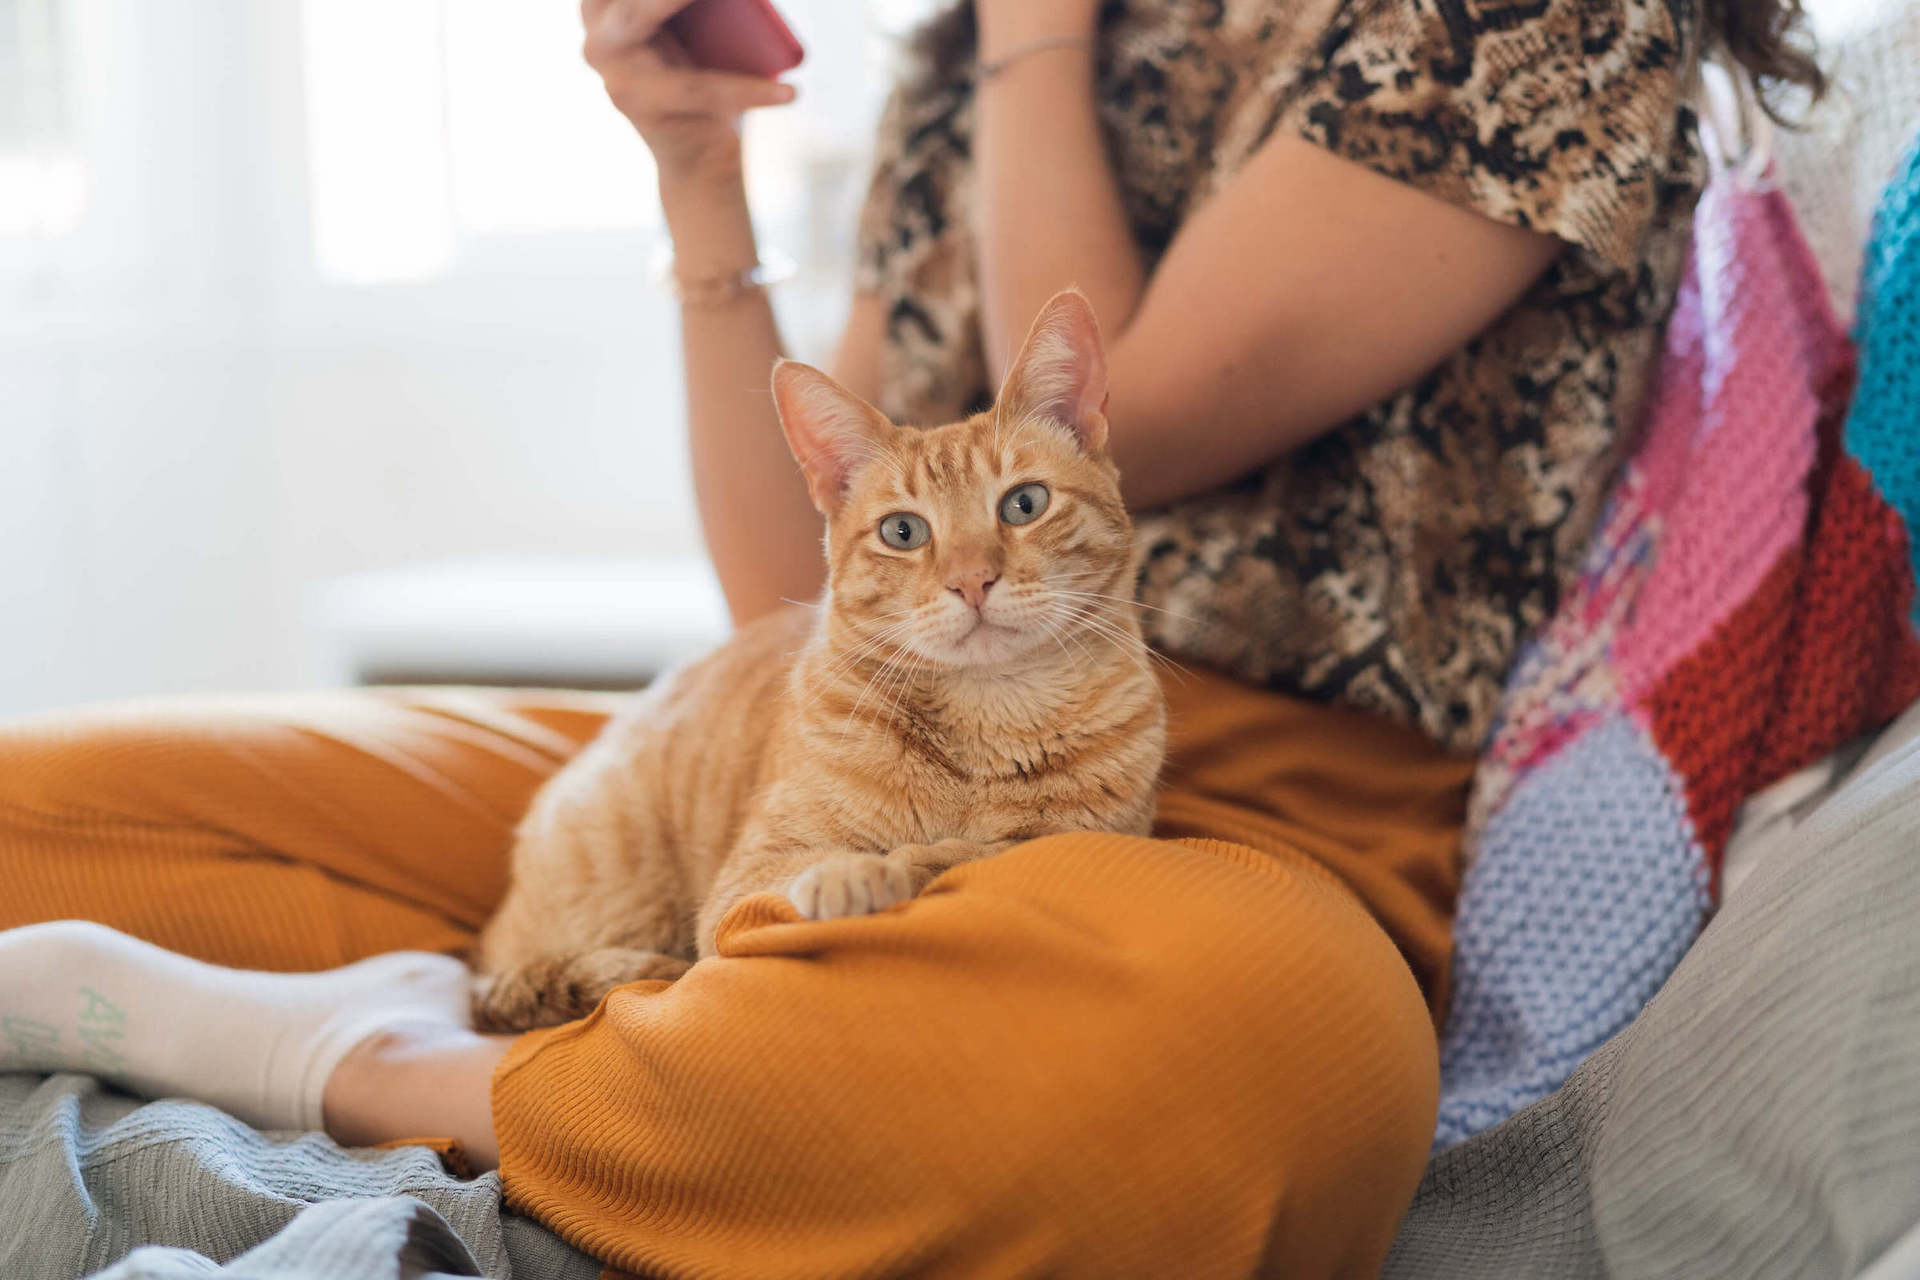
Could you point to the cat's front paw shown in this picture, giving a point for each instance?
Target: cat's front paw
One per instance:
(851, 884)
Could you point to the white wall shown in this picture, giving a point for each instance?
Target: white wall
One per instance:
(196, 425)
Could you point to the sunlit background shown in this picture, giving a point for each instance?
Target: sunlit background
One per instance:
(328, 349)
(291, 293)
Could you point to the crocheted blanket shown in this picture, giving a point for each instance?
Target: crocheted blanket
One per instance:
(1883, 427)
(1744, 610)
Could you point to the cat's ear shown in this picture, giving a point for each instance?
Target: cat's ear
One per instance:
(831, 431)
(1061, 371)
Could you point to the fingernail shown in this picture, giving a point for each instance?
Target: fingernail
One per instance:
(784, 92)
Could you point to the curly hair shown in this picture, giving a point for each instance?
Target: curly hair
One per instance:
(1769, 40)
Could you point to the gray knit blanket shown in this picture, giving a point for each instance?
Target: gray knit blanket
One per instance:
(90, 1178)
(1761, 1118)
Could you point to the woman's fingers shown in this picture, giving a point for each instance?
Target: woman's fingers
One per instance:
(688, 116)
(671, 51)
(660, 92)
(614, 26)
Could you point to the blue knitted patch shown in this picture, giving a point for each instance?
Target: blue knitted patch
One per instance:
(1586, 892)
(1883, 426)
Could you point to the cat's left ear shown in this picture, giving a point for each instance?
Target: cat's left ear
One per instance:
(1061, 371)
(831, 431)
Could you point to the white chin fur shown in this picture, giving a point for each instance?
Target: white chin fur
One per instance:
(975, 644)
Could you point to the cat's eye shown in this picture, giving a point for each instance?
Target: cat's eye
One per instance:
(1024, 504)
(903, 531)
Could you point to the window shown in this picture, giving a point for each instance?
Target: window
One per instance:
(430, 122)
(43, 178)
(435, 126)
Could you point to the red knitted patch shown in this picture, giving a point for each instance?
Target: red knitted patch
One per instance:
(1824, 651)
(1707, 714)
(1854, 661)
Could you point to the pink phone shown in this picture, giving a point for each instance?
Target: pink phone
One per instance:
(737, 35)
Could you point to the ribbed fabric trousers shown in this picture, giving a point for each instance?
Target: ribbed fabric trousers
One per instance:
(1206, 1054)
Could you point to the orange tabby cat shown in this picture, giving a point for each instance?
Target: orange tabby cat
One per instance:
(974, 677)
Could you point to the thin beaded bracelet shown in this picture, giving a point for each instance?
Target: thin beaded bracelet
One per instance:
(986, 71)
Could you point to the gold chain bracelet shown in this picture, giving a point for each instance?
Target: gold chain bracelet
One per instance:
(720, 288)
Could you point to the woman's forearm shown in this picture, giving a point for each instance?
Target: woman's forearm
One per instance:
(763, 534)
(1050, 211)
(1303, 290)
(759, 528)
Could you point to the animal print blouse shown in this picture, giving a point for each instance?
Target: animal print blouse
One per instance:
(1397, 562)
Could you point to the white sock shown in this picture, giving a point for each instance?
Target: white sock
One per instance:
(82, 997)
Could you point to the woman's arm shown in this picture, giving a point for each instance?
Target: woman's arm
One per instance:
(763, 534)
(1307, 289)
(1050, 212)
(760, 527)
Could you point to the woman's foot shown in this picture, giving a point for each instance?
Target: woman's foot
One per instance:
(419, 1081)
(76, 996)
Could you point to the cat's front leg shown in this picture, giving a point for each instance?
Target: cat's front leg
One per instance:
(864, 883)
(833, 886)
(854, 884)
(858, 884)
(821, 886)
(759, 867)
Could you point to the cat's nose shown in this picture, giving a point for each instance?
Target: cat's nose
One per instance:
(972, 585)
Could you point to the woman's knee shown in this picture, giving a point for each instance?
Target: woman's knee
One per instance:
(35, 761)
(1279, 1064)
(1157, 1049)
(96, 761)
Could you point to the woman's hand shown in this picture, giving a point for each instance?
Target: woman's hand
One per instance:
(690, 118)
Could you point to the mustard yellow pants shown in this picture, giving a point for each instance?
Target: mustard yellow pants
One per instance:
(1192, 1056)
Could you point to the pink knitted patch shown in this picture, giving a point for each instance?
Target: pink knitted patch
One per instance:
(1728, 449)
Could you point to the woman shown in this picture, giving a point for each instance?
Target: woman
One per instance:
(1383, 284)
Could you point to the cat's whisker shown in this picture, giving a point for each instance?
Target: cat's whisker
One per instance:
(847, 722)
(888, 632)
(866, 647)
(1086, 619)
(1104, 608)
(1100, 626)
(1053, 633)
(1126, 600)
(1026, 425)
(1094, 621)
(905, 684)
(889, 666)
(1095, 618)
(885, 632)
(896, 689)
(846, 665)
(1142, 658)
(1060, 635)
(1081, 577)
(862, 652)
